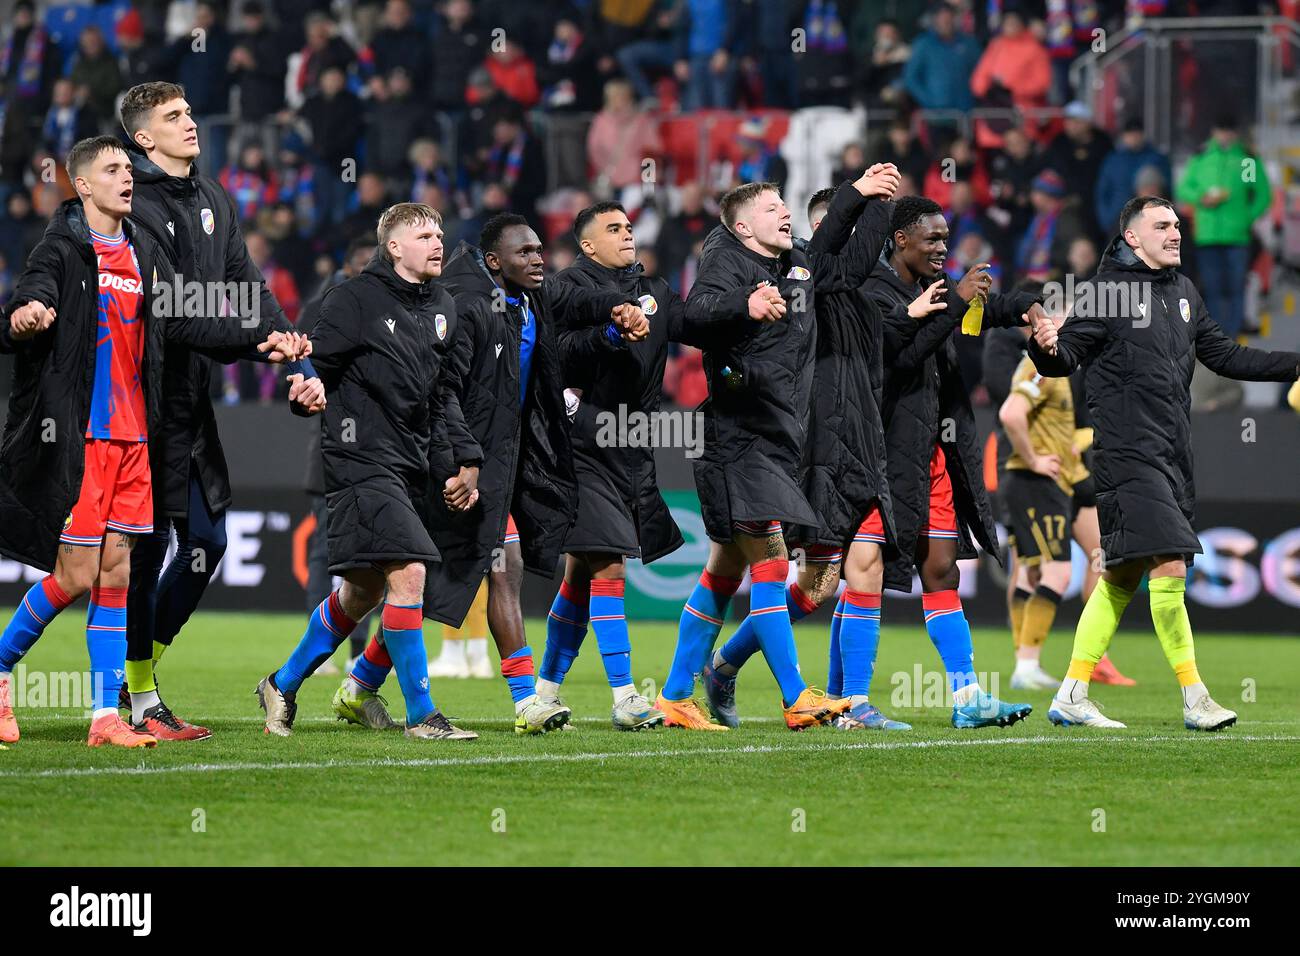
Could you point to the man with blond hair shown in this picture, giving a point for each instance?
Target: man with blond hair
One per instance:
(380, 344)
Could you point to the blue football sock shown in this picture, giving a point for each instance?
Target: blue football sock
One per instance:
(404, 640)
(696, 631)
(835, 670)
(945, 622)
(744, 644)
(39, 605)
(609, 622)
(327, 628)
(372, 667)
(106, 642)
(518, 671)
(859, 638)
(566, 626)
(772, 625)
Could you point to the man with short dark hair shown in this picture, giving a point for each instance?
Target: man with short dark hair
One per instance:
(87, 323)
(1140, 336)
(936, 479)
(195, 223)
(622, 514)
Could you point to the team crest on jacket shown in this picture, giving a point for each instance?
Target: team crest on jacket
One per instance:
(440, 326)
(648, 304)
(800, 273)
(205, 217)
(1185, 310)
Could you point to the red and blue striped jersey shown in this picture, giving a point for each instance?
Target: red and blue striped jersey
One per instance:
(117, 399)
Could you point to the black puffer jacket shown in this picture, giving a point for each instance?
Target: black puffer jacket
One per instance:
(1140, 357)
(527, 460)
(620, 508)
(42, 456)
(926, 404)
(194, 221)
(760, 383)
(846, 436)
(380, 343)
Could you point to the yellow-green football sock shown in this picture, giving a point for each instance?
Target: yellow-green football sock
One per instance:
(1097, 625)
(1174, 628)
(139, 677)
(158, 650)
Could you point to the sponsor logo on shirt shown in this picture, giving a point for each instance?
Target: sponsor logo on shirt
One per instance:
(392, 325)
(498, 350)
(206, 218)
(440, 325)
(1185, 310)
(648, 304)
(120, 283)
(799, 273)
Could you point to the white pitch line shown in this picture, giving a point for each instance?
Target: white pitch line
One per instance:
(598, 757)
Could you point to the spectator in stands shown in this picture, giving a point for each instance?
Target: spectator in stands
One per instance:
(20, 228)
(324, 50)
(1227, 186)
(397, 44)
(766, 26)
(142, 56)
(684, 230)
(1077, 153)
(882, 75)
(202, 69)
(1117, 178)
(257, 65)
(938, 76)
(899, 147)
(1015, 162)
(707, 34)
(96, 74)
(865, 14)
(67, 121)
(278, 223)
(250, 181)
(759, 161)
(515, 161)
(659, 50)
(1082, 258)
(621, 138)
(426, 167)
(461, 44)
(1053, 228)
(514, 74)
(372, 200)
(826, 65)
(853, 157)
(30, 62)
(1014, 71)
(394, 120)
(571, 73)
(334, 117)
(957, 162)
(964, 216)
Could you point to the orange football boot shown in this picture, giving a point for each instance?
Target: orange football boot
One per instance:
(112, 729)
(685, 713)
(813, 707)
(1107, 673)
(8, 723)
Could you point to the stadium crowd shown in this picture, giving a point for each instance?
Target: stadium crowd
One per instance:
(316, 116)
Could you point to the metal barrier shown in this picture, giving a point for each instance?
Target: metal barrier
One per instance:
(1178, 74)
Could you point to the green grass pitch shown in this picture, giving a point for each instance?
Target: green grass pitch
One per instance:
(332, 794)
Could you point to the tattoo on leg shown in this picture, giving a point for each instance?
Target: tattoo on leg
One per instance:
(67, 549)
(825, 580)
